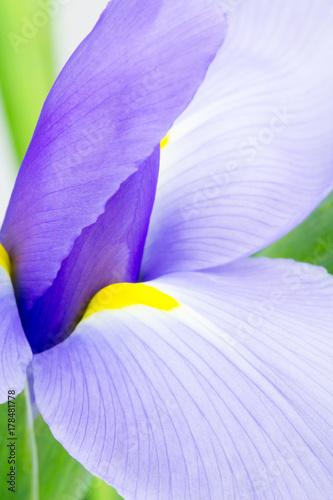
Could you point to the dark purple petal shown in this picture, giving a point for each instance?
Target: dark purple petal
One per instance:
(15, 353)
(227, 396)
(112, 104)
(107, 252)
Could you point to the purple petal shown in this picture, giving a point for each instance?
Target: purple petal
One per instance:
(112, 104)
(227, 396)
(14, 347)
(107, 252)
(252, 155)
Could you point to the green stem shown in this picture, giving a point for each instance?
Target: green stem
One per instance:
(33, 444)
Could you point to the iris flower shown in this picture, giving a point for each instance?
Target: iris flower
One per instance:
(164, 358)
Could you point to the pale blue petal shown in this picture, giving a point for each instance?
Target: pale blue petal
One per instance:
(15, 352)
(226, 397)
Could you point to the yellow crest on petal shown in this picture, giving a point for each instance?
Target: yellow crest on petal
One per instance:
(4, 259)
(165, 141)
(122, 295)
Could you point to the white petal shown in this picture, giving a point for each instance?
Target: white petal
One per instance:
(220, 197)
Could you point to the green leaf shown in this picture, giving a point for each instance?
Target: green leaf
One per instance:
(26, 73)
(311, 241)
(20, 447)
(60, 476)
(101, 491)
(43, 468)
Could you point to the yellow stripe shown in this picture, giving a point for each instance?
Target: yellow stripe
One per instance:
(165, 141)
(123, 295)
(4, 259)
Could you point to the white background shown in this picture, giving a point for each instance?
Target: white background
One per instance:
(73, 22)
